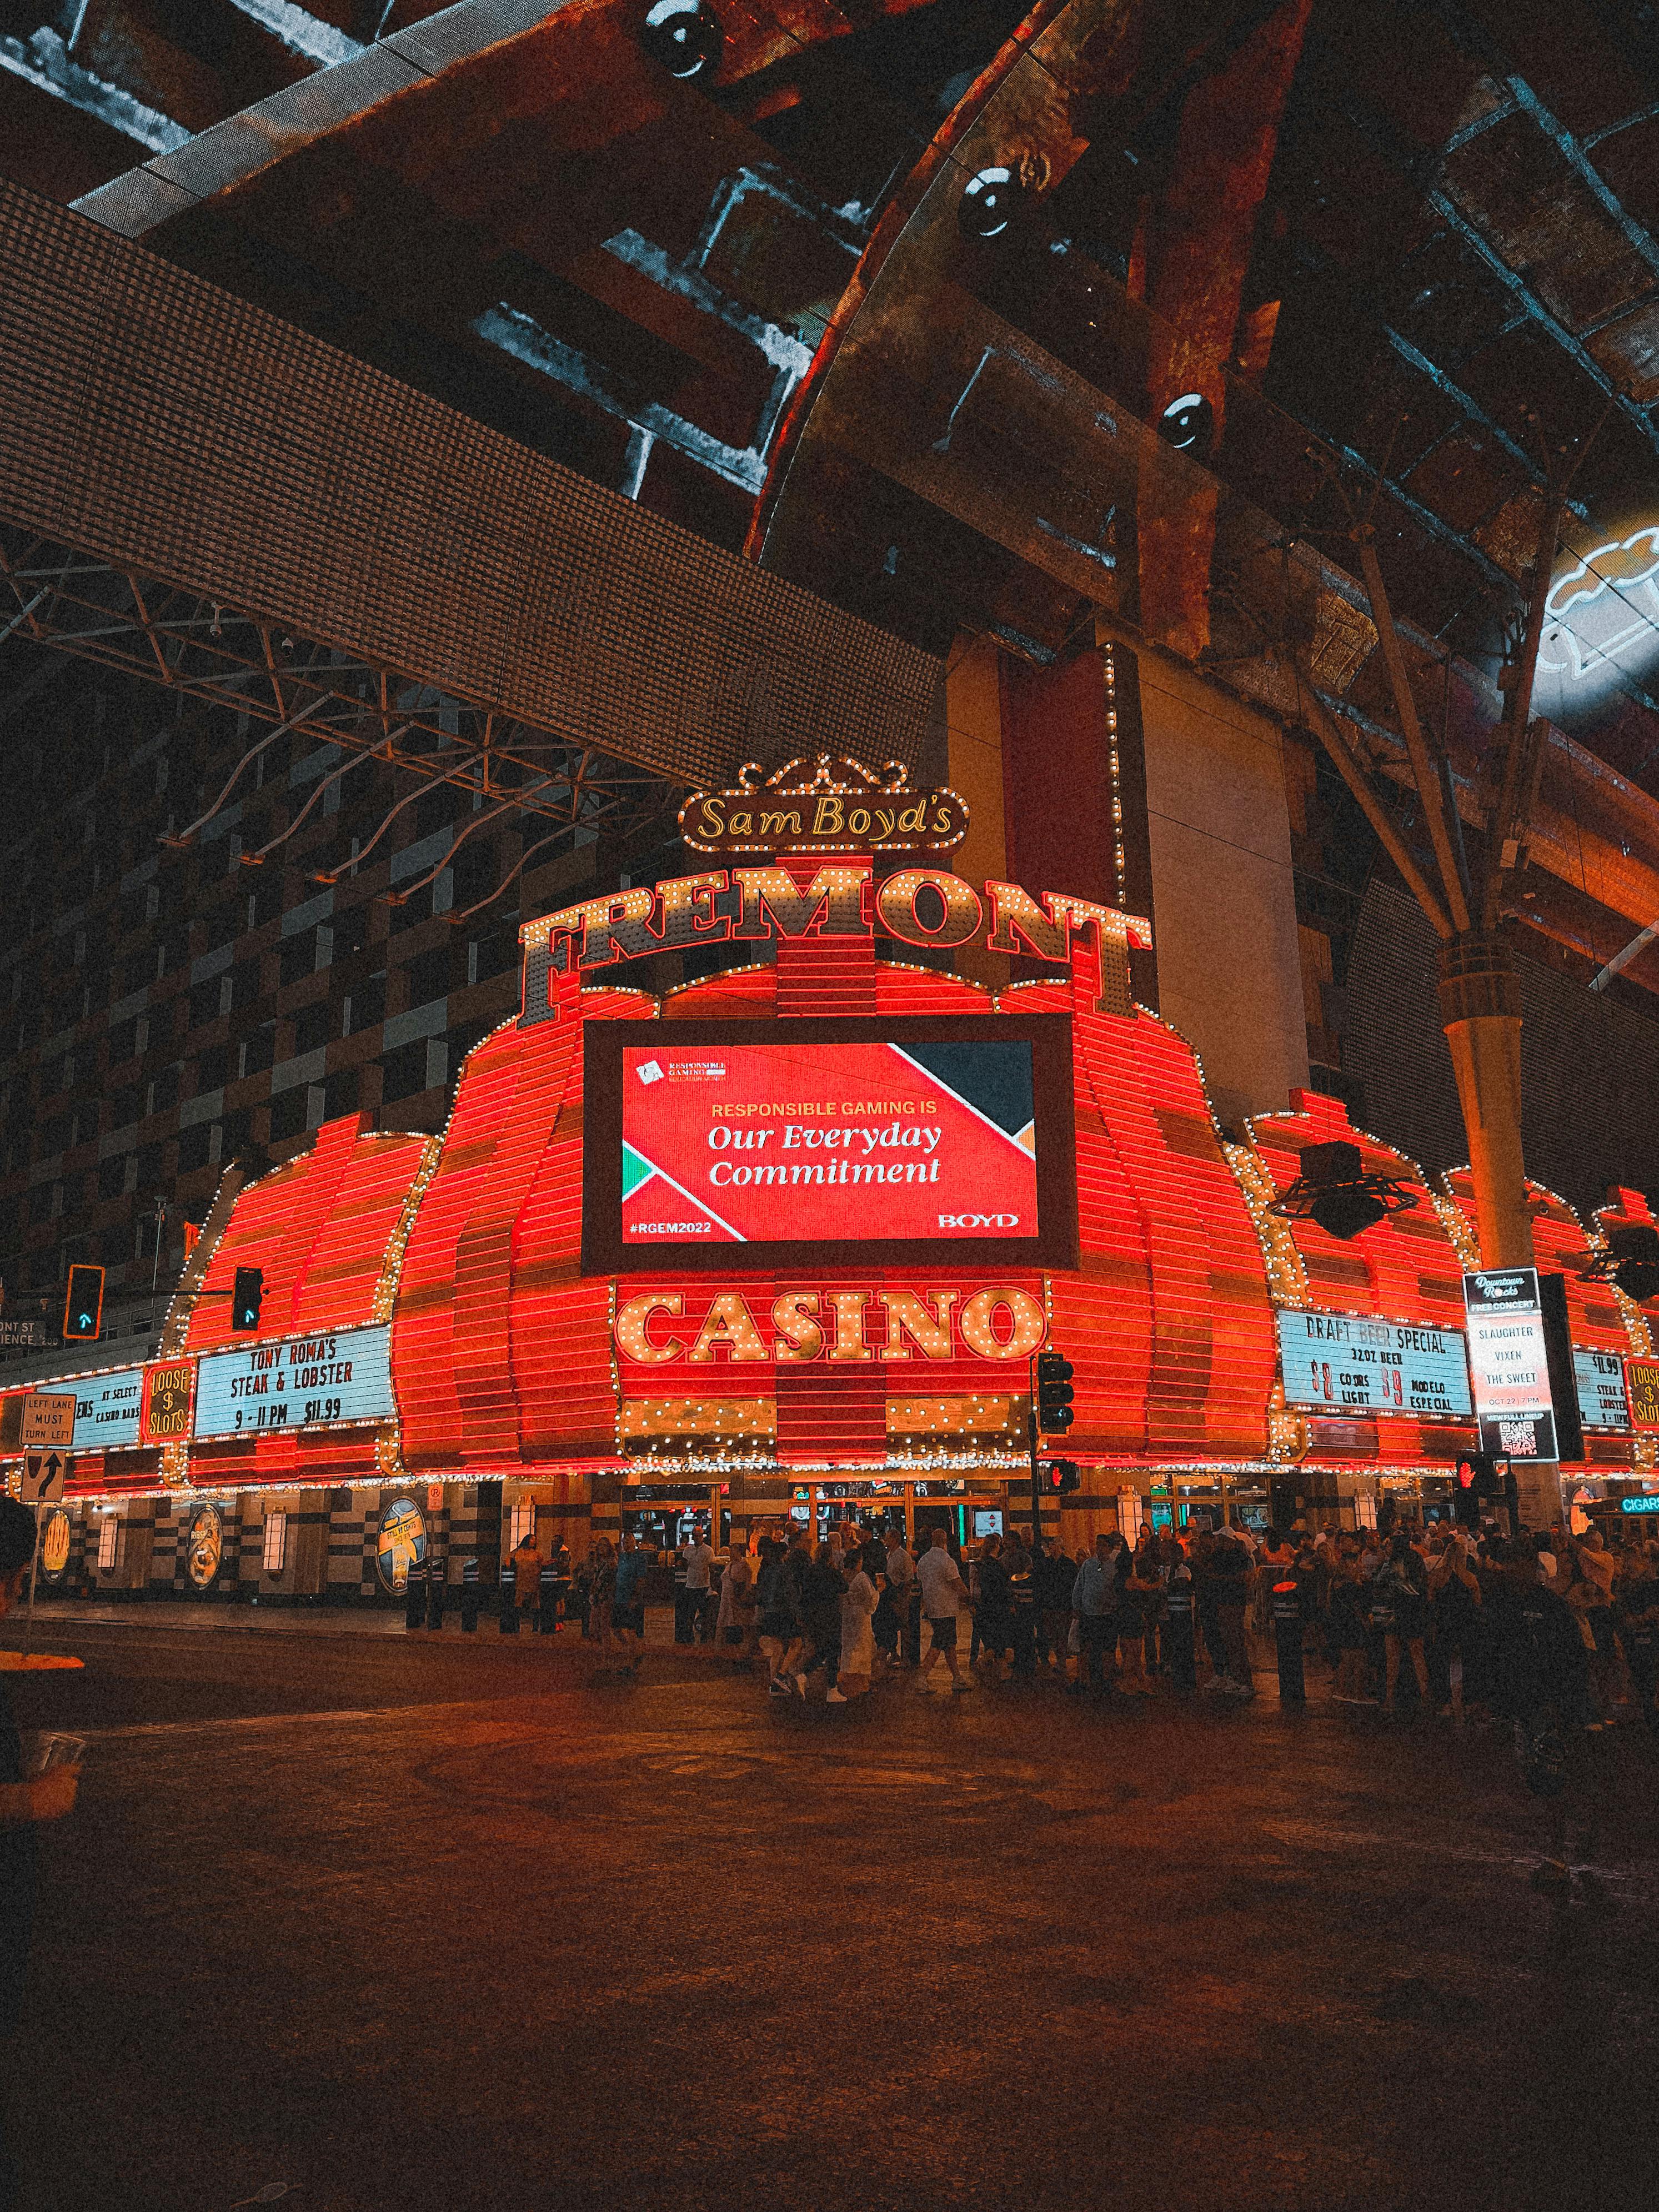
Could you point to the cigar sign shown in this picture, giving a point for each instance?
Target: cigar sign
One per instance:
(824, 805)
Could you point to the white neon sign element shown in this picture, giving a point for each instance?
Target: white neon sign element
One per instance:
(1602, 614)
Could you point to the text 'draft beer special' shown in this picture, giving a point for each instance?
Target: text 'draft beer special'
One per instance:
(1380, 1366)
(300, 1383)
(744, 1142)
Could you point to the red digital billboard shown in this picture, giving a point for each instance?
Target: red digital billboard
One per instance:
(905, 1135)
(756, 1143)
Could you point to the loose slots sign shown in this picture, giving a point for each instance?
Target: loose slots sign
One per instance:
(756, 1143)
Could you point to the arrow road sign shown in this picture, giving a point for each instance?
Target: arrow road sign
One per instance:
(48, 1421)
(43, 1478)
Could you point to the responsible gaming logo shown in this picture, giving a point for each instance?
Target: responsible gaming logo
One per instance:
(1600, 621)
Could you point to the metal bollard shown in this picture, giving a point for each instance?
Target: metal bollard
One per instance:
(1183, 1664)
(415, 1602)
(1286, 1606)
(437, 1593)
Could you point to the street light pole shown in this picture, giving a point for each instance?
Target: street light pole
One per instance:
(156, 1267)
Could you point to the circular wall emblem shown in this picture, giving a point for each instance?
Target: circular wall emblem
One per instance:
(402, 1543)
(55, 1544)
(204, 1546)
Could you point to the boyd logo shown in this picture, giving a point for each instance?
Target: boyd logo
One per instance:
(979, 1221)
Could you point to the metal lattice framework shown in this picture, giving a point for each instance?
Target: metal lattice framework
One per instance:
(76, 603)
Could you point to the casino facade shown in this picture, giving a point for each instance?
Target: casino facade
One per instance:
(787, 1239)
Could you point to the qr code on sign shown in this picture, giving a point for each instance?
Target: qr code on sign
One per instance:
(1519, 1439)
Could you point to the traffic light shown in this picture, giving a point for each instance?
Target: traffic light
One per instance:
(1054, 1391)
(84, 1307)
(245, 1298)
(1061, 1476)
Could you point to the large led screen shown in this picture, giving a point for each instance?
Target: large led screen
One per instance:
(784, 1135)
(758, 1142)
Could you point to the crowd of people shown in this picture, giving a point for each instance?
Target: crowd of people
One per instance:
(1415, 1620)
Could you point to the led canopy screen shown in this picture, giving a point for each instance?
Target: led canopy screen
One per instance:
(747, 1138)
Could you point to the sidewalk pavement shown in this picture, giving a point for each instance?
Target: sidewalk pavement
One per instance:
(318, 1621)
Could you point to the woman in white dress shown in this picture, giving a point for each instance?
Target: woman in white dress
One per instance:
(858, 1636)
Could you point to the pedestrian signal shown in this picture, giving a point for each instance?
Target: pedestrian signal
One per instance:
(1063, 1476)
(245, 1298)
(84, 1307)
(1054, 1391)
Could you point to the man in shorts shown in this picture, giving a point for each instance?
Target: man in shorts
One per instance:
(944, 1602)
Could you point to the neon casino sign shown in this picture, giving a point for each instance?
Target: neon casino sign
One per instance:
(1602, 618)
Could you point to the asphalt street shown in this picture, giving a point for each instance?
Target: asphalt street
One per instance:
(434, 1923)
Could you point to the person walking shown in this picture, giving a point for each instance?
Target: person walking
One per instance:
(1227, 1574)
(1636, 1616)
(627, 1602)
(699, 1575)
(602, 1595)
(1094, 1603)
(1400, 1609)
(25, 1804)
(736, 1625)
(1345, 1625)
(1454, 1605)
(778, 1619)
(1539, 1669)
(856, 1657)
(822, 1591)
(527, 1564)
(892, 1622)
(1022, 1599)
(994, 1616)
(944, 1602)
(1053, 1575)
(1590, 1596)
(1140, 1594)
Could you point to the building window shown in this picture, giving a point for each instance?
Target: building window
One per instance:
(523, 1522)
(109, 1536)
(311, 1027)
(276, 1544)
(404, 1072)
(287, 1114)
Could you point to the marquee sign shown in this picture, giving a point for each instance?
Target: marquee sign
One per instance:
(1508, 1361)
(106, 1409)
(1340, 1362)
(824, 805)
(1599, 1377)
(305, 1382)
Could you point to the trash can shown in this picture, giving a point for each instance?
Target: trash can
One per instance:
(1287, 1618)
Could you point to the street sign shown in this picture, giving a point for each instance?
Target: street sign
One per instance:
(43, 1478)
(48, 1421)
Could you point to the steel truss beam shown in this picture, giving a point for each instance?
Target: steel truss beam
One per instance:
(77, 604)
